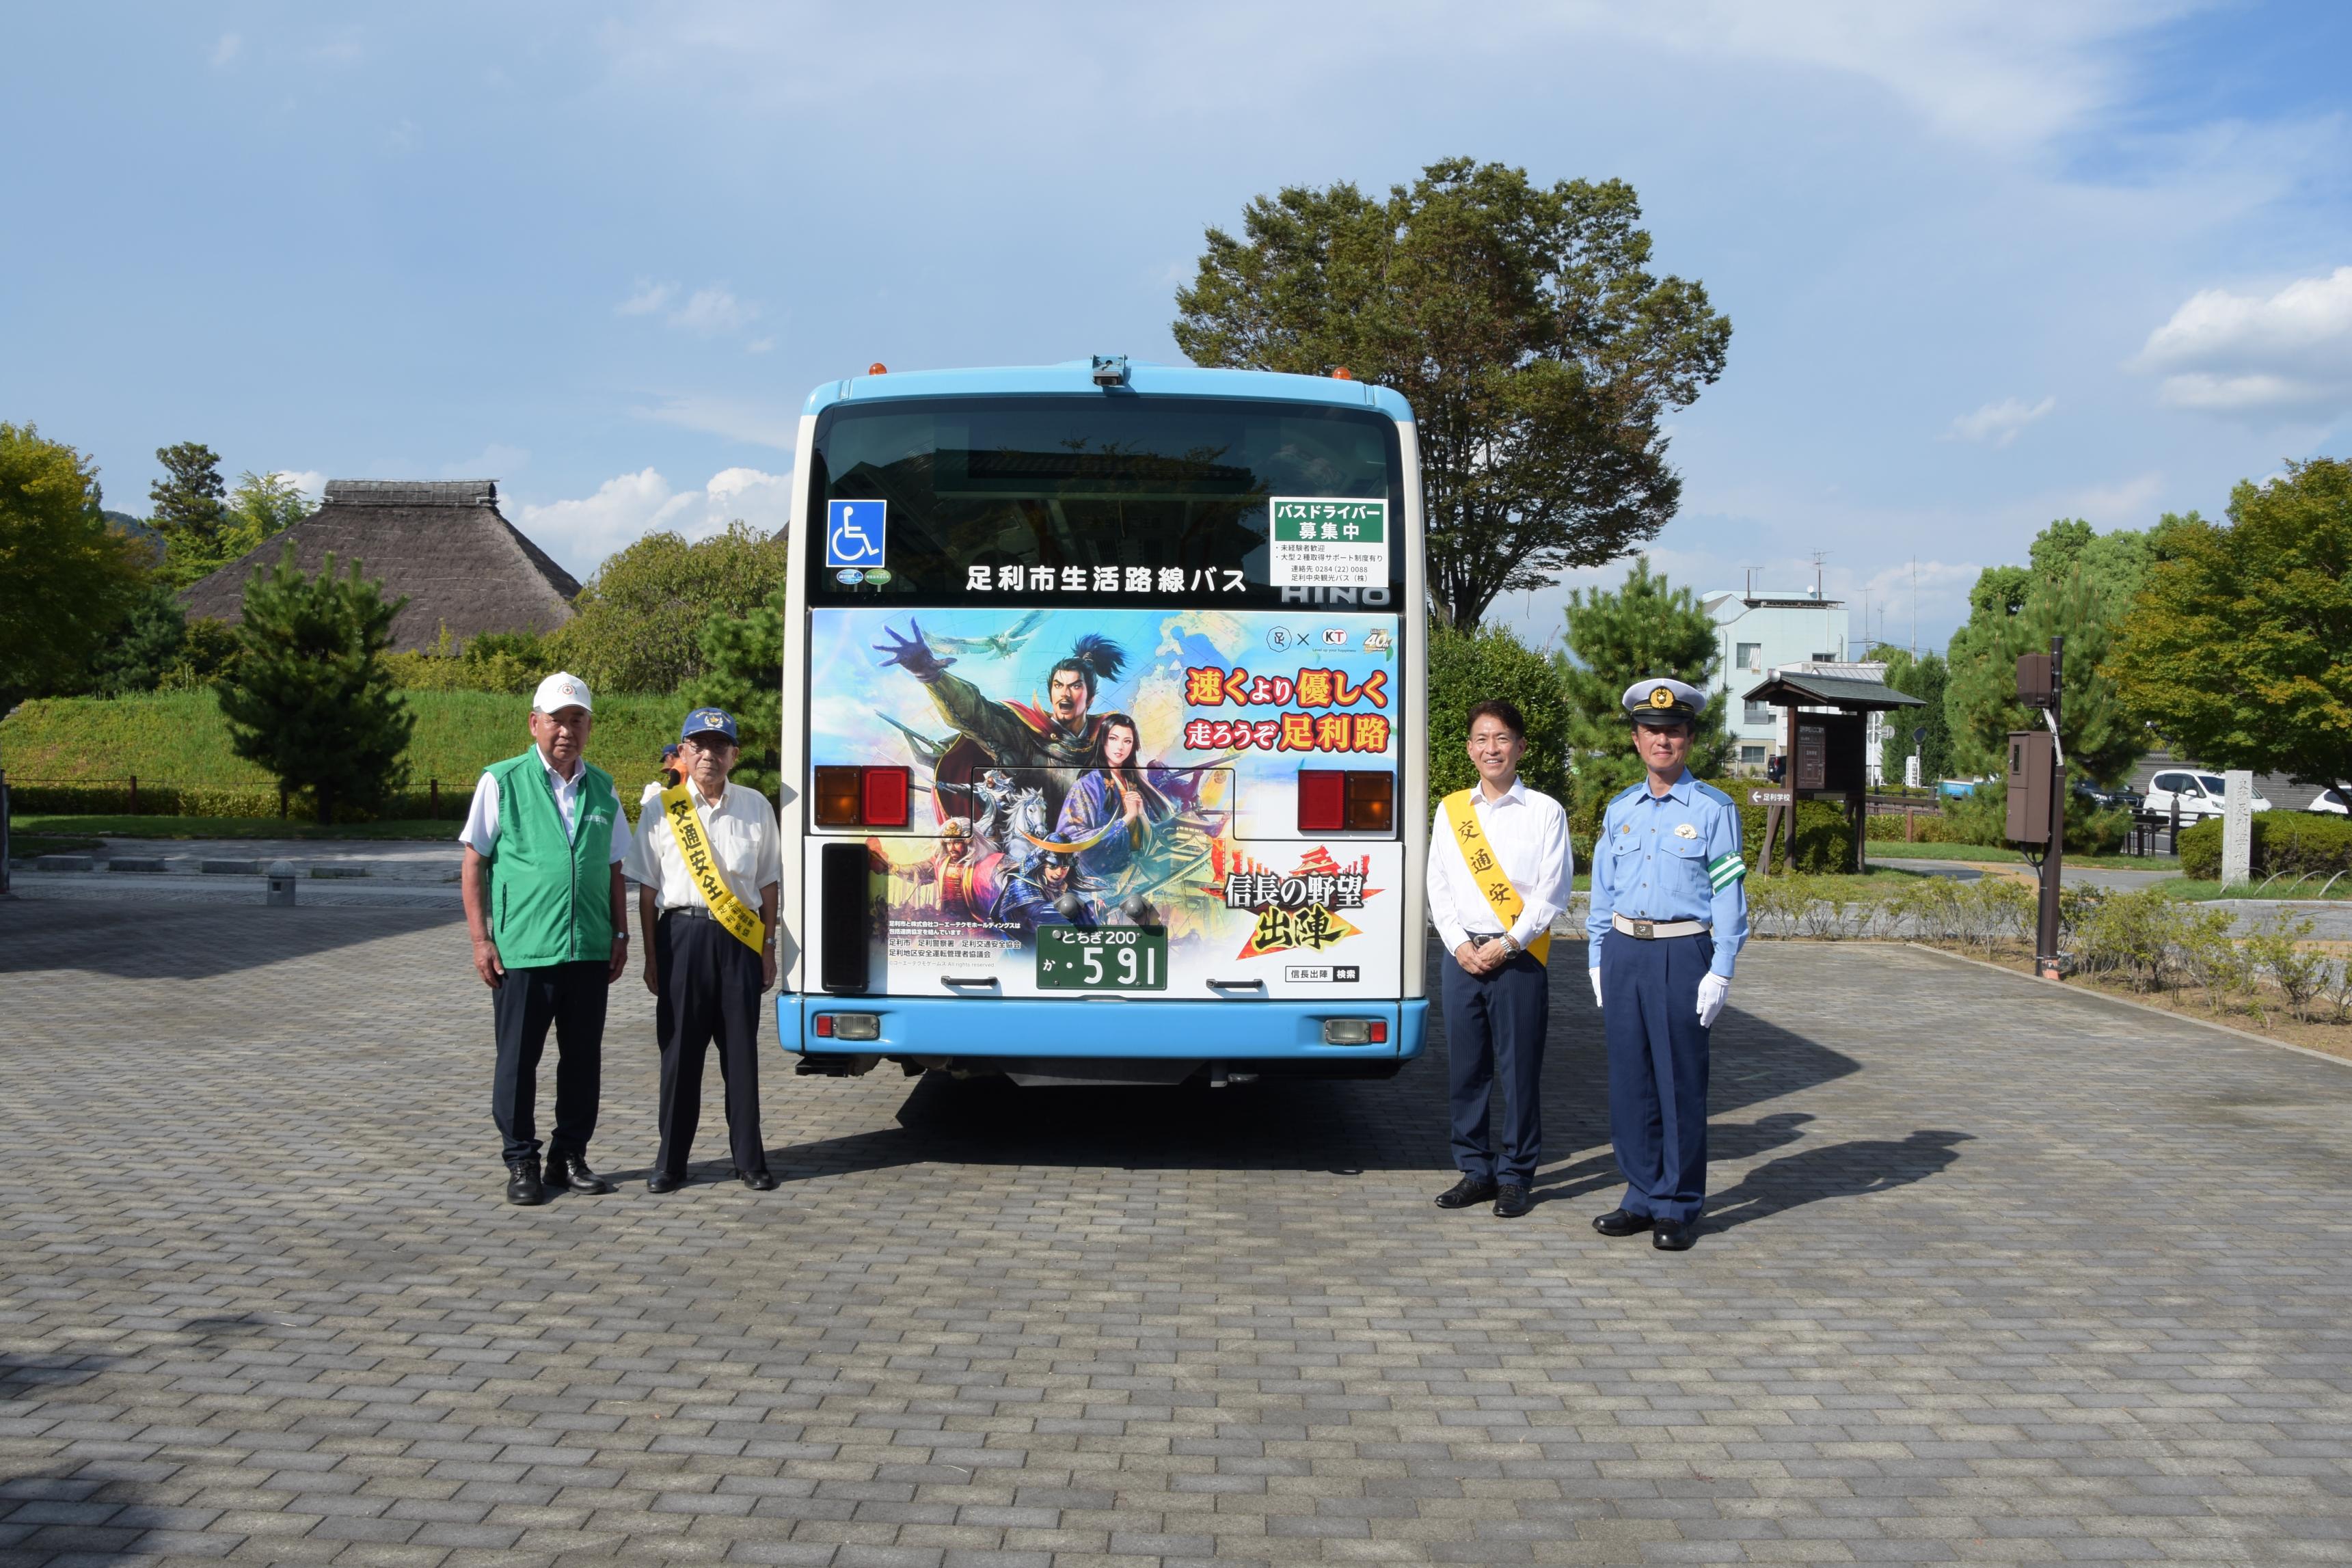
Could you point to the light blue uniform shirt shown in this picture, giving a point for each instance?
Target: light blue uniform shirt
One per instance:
(1645, 869)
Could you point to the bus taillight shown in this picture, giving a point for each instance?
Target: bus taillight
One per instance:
(862, 797)
(1333, 801)
(885, 797)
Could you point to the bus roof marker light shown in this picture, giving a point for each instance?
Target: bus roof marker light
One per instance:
(877, 368)
(1111, 370)
(1341, 372)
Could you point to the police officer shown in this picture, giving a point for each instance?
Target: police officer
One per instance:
(707, 861)
(544, 840)
(1669, 914)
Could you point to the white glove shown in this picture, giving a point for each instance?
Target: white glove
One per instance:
(1713, 991)
(1595, 972)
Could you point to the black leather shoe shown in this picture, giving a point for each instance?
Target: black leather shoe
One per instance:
(757, 1181)
(1617, 1221)
(664, 1182)
(571, 1171)
(1467, 1191)
(1672, 1236)
(1511, 1201)
(523, 1186)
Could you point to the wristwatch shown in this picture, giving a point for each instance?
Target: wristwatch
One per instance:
(1511, 946)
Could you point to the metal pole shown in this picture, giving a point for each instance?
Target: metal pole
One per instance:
(2046, 958)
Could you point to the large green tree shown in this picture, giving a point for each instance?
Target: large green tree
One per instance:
(1540, 353)
(312, 699)
(640, 621)
(2077, 585)
(1479, 666)
(67, 578)
(189, 510)
(2238, 649)
(1646, 627)
(743, 672)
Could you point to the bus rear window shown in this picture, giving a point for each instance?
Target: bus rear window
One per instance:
(1117, 499)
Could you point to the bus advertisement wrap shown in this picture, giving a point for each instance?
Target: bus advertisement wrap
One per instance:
(1107, 799)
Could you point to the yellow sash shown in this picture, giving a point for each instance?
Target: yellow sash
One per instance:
(702, 868)
(1501, 897)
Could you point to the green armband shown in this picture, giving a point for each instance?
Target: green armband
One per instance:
(1724, 870)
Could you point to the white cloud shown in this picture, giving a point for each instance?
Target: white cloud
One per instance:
(2127, 503)
(1999, 422)
(753, 423)
(582, 532)
(495, 461)
(309, 481)
(648, 298)
(710, 312)
(2289, 352)
(226, 51)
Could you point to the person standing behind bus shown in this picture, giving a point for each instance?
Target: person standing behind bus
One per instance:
(1500, 867)
(1669, 914)
(544, 840)
(709, 953)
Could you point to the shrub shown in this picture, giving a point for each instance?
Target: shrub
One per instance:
(2275, 948)
(1492, 663)
(1924, 829)
(2288, 841)
(2130, 934)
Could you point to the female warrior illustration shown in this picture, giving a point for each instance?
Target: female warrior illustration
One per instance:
(1118, 791)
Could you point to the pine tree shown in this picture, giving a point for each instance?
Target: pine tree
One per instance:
(189, 511)
(312, 699)
(1648, 628)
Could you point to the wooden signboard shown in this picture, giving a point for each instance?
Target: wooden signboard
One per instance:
(1812, 768)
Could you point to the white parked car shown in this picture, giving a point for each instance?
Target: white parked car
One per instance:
(2200, 794)
(2329, 800)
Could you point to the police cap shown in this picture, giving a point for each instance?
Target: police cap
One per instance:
(1662, 699)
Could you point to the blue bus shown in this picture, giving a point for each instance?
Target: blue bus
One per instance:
(1104, 741)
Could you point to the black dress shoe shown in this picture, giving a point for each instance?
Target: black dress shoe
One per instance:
(571, 1171)
(664, 1182)
(1511, 1201)
(757, 1181)
(1467, 1191)
(523, 1186)
(1672, 1235)
(1617, 1221)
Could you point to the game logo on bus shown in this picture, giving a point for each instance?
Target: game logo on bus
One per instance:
(1107, 799)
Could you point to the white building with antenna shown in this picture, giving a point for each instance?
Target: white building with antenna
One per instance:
(1760, 631)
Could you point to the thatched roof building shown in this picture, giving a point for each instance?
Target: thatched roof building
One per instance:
(440, 542)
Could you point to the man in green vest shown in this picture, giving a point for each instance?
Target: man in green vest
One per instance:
(546, 905)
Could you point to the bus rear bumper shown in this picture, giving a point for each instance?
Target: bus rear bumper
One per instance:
(943, 1027)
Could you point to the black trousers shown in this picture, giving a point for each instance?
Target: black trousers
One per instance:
(1494, 1030)
(708, 988)
(571, 996)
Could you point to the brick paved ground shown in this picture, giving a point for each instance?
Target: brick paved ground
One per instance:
(1983, 1284)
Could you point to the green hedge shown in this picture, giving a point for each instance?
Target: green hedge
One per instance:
(2289, 841)
(1825, 835)
(1926, 829)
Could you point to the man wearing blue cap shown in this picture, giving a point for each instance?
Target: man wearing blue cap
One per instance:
(1669, 914)
(706, 860)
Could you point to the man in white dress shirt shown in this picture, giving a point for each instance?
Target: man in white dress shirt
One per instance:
(1499, 873)
(708, 908)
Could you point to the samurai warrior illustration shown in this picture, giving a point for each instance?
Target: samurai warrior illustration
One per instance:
(1060, 744)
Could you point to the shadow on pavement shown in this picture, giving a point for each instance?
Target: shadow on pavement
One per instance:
(1852, 1169)
(133, 941)
(1346, 1127)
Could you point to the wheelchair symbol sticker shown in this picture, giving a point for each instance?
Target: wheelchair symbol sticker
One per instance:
(854, 531)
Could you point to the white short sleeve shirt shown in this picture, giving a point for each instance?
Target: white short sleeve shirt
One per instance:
(742, 829)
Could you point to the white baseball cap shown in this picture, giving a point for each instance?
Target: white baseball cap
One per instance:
(562, 689)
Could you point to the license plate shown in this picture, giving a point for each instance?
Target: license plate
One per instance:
(1110, 958)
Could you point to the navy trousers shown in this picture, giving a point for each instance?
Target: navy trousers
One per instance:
(1657, 1070)
(571, 997)
(1495, 1034)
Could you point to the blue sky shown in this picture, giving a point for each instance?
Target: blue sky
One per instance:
(1987, 264)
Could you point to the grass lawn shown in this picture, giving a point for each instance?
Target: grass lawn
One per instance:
(24, 845)
(82, 829)
(2188, 888)
(1994, 854)
(179, 738)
